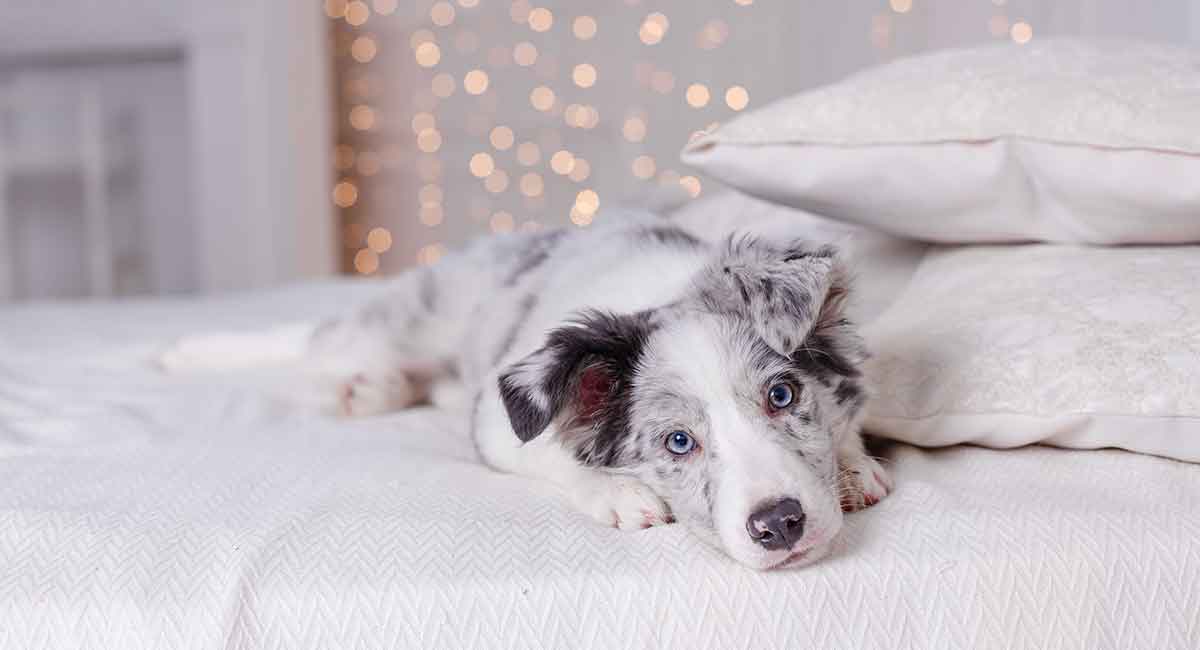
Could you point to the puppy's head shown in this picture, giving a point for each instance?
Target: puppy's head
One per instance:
(729, 403)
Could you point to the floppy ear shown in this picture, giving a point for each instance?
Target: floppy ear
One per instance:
(785, 291)
(577, 377)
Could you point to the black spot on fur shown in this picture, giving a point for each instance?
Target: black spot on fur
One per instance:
(669, 236)
(535, 253)
(526, 305)
(846, 391)
(819, 357)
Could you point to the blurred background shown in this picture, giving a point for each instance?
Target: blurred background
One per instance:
(184, 146)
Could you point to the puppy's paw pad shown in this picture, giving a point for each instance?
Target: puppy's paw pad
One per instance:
(366, 394)
(864, 483)
(622, 503)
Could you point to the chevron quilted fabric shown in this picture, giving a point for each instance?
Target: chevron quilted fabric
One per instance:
(142, 511)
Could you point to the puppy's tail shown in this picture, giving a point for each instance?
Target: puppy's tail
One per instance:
(237, 350)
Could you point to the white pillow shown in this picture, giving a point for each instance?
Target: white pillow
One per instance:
(1070, 346)
(1063, 141)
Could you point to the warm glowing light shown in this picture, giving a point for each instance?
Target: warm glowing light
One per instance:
(1022, 32)
(697, 95)
(579, 218)
(519, 11)
(998, 25)
(357, 12)
(421, 36)
(379, 240)
(501, 222)
(528, 154)
(587, 202)
(542, 98)
(737, 98)
(368, 163)
(467, 4)
(482, 165)
(713, 35)
(430, 254)
(901, 6)
(497, 182)
(643, 167)
(443, 84)
(466, 42)
(531, 184)
(999, 3)
(541, 19)
(431, 215)
(584, 28)
(691, 184)
(335, 8)
(343, 157)
(634, 129)
(430, 195)
(366, 261)
(363, 49)
(502, 138)
(584, 75)
(525, 54)
(662, 82)
(429, 140)
(562, 162)
(362, 117)
(423, 121)
(744, 3)
(428, 54)
(442, 13)
(580, 170)
(475, 82)
(385, 7)
(654, 28)
(345, 194)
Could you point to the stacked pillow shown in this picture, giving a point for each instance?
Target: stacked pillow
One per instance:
(1074, 143)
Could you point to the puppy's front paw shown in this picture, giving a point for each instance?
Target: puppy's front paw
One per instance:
(864, 482)
(621, 502)
(366, 394)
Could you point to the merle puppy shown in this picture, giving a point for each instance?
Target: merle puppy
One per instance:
(650, 375)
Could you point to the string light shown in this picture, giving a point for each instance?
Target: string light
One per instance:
(501, 222)
(643, 167)
(343, 157)
(335, 8)
(542, 98)
(443, 85)
(431, 215)
(427, 255)
(579, 218)
(476, 82)
(501, 138)
(379, 240)
(345, 194)
(430, 195)
(584, 28)
(584, 75)
(528, 154)
(366, 261)
(363, 49)
(634, 129)
(697, 95)
(744, 3)
(385, 7)
(468, 4)
(691, 184)
(428, 54)
(587, 202)
(562, 162)
(496, 182)
(1022, 32)
(362, 117)
(368, 163)
(525, 54)
(580, 170)
(421, 36)
(531, 184)
(481, 165)
(541, 19)
(737, 98)
(423, 121)
(357, 13)
(712, 35)
(901, 6)
(442, 13)
(654, 28)
(429, 140)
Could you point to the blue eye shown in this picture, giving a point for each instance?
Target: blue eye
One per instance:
(780, 396)
(680, 443)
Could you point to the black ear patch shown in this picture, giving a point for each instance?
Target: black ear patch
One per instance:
(580, 378)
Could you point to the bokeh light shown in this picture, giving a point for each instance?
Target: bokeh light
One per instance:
(501, 138)
(379, 240)
(737, 98)
(1022, 32)
(584, 28)
(697, 95)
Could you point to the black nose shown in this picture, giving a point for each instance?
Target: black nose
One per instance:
(777, 525)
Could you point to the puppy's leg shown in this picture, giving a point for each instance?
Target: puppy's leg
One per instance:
(611, 499)
(863, 482)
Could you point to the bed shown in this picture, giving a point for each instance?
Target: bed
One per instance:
(139, 510)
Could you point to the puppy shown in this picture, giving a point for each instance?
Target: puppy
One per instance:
(651, 376)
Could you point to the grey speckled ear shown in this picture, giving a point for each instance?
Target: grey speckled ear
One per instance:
(783, 290)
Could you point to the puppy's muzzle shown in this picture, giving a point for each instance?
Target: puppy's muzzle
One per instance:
(778, 525)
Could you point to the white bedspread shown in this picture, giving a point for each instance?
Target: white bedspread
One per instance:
(140, 511)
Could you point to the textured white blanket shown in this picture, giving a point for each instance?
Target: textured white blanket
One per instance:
(140, 511)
